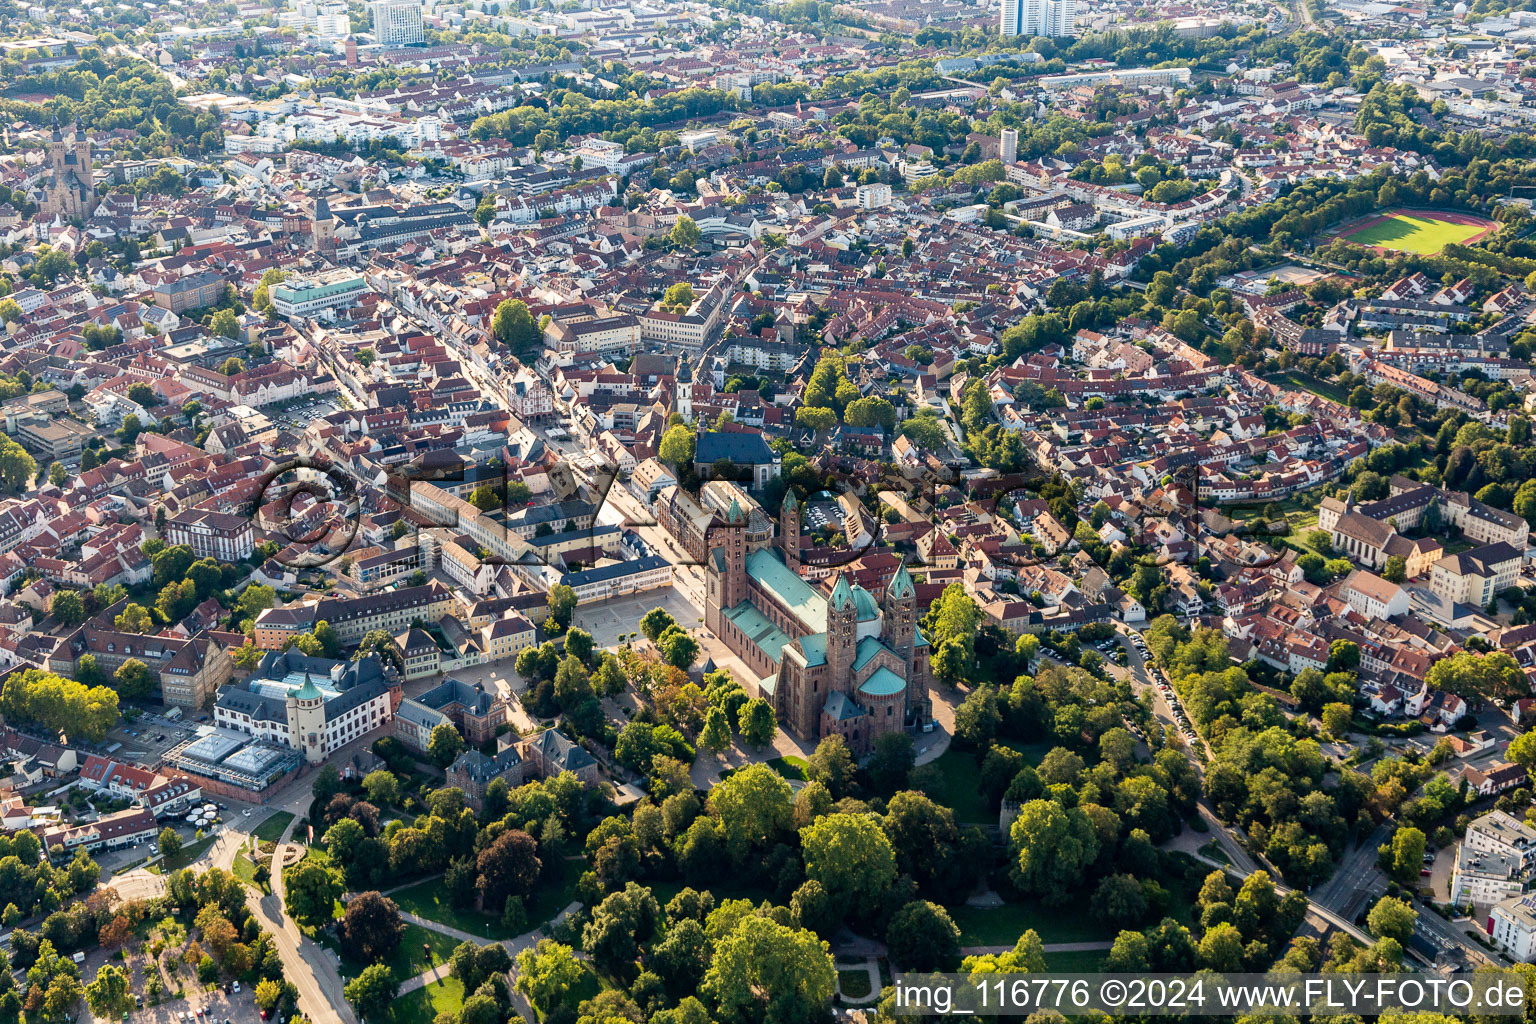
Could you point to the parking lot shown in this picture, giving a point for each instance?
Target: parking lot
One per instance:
(196, 1005)
(146, 739)
(301, 414)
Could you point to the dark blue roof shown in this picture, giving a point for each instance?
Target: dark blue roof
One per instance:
(742, 448)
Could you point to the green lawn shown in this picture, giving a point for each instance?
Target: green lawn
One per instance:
(424, 1004)
(429, 900)
(245, 870)
(853, 984)
(1422, 233)
(1299, 381)
(271, 830)
(1002, 926)
(790, 766)
(409, 960)
(959, 771)
(184, 856)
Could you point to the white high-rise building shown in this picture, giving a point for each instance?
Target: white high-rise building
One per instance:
(1037, 17)
(398, 22)
(1008, 147)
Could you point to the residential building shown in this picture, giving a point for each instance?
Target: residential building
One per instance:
(1475, 577)
(397, 23)
(219, 535)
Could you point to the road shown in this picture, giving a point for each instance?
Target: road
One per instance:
(1357, 880)
(1242, 861)
(311, 968)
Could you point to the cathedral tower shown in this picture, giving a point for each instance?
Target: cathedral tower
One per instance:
(789, 530)
(899, 608)
(842, 634)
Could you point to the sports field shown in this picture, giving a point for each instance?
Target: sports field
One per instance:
(1417, 230)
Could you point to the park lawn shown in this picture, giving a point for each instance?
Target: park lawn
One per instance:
(959, 772)
(271, 830)
(184, 856)
(853, 984)
(1002, 926)
(424, 1004)
(790, 766)
(408, 959)
(555, 890)
(1307, 382)
(245, 870)
(1420, 233)
(429, 899)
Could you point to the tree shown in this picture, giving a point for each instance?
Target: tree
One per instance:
(1406, 854)
(109, 995)
(656, 622)
(579, 643)
(922, 937)
(485, 212)
(68, 608)
(832, 765)
(254, 600)
(372, 991)
(766, 973)
(1392, 918)
(757, 724)
(619, 925)
(371, 928)
(1478, 676)
(141, 394)
(310, 895)
(133, 679)
(716, 734)
(815, 418)
(509, 866)
(753, 807)
(169, 842)
(444, 745)
(513, 326)
(1336, 719)
(1119, 902)
(1052, 847)
(225, 323)
(1221, 949)
(1396, 569)
(562, 604)
(267, 993)
(677, 446)
(548, 975)
(678, 297)
(685, 233)
(678, 648)
(978, 717)
(853, 860)
(134, 618)
(891, 762)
